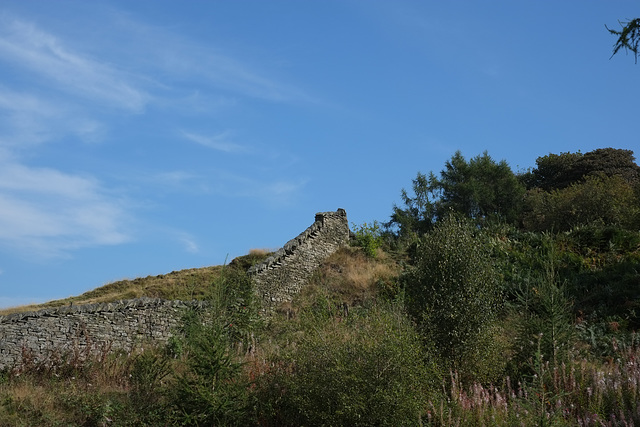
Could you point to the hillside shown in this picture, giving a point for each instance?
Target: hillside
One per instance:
(517, 306)
(184, 285)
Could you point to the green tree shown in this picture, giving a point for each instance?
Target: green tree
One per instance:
(453, 292)
(558, 171)
(543, 310)
(480, 189)
(553, 171)
(419, 212)
(628, 37)
(212, 391)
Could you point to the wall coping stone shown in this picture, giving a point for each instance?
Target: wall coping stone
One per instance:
(276, 258)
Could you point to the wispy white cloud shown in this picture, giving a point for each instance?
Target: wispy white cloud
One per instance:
(189, 243)
(48, 212)
(232, 185)
(283, 188)
(27, 119)
(220, 141)
(176, 178)
(173, 181)
(66, 89)
(267, 189)
(209, 64)
(24, 45)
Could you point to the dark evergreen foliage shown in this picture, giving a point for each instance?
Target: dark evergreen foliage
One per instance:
(558, 171)
(628, 37)
(481, 189)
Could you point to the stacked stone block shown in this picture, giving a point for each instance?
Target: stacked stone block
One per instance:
(283, 274)
(121, 325)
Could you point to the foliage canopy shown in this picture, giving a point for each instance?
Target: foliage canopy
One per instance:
(481, 189)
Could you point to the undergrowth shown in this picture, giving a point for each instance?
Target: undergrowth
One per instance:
(346, 352)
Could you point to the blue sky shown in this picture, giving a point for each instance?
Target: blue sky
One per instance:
(142, 137)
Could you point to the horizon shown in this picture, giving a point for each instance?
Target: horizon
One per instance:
(140, 138)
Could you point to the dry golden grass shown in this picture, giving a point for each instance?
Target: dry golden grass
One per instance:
(259, 252)
(32, 397)
(67, 391)
(353, 277)
(20, 309)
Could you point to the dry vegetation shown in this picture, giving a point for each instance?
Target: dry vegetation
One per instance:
(354, 277)
(101, 388)
(185, 285)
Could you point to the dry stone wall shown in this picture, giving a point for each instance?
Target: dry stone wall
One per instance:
(283, 274)
(126, 324)
(120, 325)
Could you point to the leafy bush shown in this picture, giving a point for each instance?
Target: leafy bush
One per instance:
(363, 370)
(453, 292)
(368, 237)
(598, 199)
(558, 171)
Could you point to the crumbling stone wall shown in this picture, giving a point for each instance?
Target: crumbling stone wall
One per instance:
(283, 274)
(120, 325)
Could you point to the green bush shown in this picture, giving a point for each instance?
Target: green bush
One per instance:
(453, 293)
(598, 199)
(368, 237)
(212, 390)
(363, 370)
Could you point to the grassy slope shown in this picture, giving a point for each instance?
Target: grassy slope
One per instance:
(87, 392)
(346, 277)
(178, 285)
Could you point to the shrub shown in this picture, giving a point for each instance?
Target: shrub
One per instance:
(363, 370)
(212, 390)
(147, 390)
(453, 292)
(545, 327)
(368, 237)
(597, 199)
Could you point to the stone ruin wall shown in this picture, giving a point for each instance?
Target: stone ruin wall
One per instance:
(284, 273)
(127, 324)
(109, 326)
